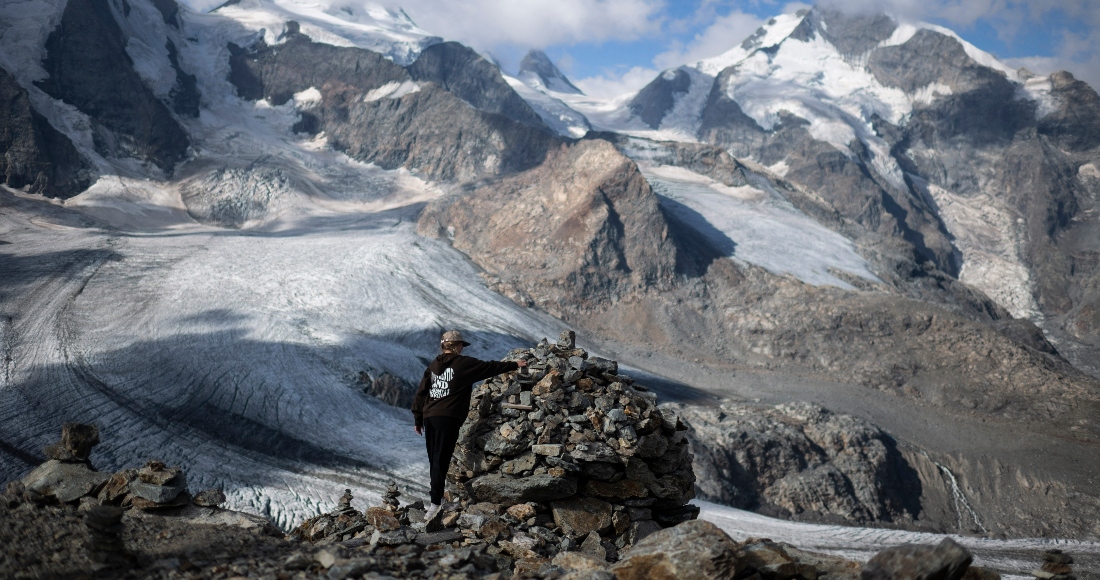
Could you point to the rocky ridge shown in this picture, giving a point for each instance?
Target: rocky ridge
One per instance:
(582, 229)
(449, 115)
(567, 470)
(35, 155)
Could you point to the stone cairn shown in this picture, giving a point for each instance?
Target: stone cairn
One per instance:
(69, 477)
(1057, 565)
(571, 432)
(566, 460)
(104, 542)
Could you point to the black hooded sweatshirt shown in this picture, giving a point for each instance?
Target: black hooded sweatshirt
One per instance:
(445, 389)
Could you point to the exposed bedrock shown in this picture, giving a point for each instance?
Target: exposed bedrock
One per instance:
(656, 99)
(801, 461)
(449, 116)
(582, 229)
(89, 68)
(33, 155)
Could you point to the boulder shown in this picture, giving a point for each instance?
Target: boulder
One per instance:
(77, 440)
(209, 498)
(64, 481)
(578, 561)
(694, 550)
(508, 491)
(580, 516)
(944, 561)
(382, 519)
(157, 473)
(118, 487)
(156, 493)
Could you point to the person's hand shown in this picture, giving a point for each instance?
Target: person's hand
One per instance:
(521, 362)
(419, 430)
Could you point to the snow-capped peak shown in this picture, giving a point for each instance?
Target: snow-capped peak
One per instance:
(371, 26)
(775, 31)
(536, 69)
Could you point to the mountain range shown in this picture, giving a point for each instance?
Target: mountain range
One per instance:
(216, 222)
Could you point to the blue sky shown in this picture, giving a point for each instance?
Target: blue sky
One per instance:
(613, 46)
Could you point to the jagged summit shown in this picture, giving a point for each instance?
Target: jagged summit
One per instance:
(536, 67)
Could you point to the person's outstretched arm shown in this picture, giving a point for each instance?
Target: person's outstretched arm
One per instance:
(480, 370)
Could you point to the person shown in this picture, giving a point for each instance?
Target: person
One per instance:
(443, 401)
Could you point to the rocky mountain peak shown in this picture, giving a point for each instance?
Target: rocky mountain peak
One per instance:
(539, 66)
(853, 34)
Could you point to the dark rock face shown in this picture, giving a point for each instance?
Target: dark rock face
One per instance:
(34, 155)
(537, 63)
(1075, 125)
(803, 461)
(428, 128)
(854, 35)
(654, 101)
(582, 228)
(463, 73)
(185, 95)
(982, 108)
(278, 72)
(88, 68)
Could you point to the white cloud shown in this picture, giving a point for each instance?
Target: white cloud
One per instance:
(725, 33)
(613, 84)
(535, 23)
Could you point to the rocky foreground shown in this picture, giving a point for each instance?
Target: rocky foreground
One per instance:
(566, 470)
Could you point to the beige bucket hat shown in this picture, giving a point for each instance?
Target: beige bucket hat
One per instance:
(453, 336)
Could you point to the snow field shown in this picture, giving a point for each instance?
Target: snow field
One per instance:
(760, 227)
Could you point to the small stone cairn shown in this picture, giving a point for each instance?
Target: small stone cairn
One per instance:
(69, 477)
(104, 541)
(1057, 565)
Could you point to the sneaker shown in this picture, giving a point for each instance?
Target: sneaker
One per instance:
(433, 510)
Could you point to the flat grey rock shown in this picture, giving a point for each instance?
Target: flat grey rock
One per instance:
(64, 481)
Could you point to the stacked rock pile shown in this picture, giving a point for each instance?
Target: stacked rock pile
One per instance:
(104, 541)
(572, 435)
(69, 477)
(1057, 565)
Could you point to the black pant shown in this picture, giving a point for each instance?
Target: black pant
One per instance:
(440, 434)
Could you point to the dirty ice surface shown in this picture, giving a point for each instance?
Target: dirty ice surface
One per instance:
(755, 224)
(1015, 559)
(234, 353)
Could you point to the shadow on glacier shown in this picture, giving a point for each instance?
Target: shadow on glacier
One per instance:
(228, 397)
(699, 243)
(19, 271)
(365, 221)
